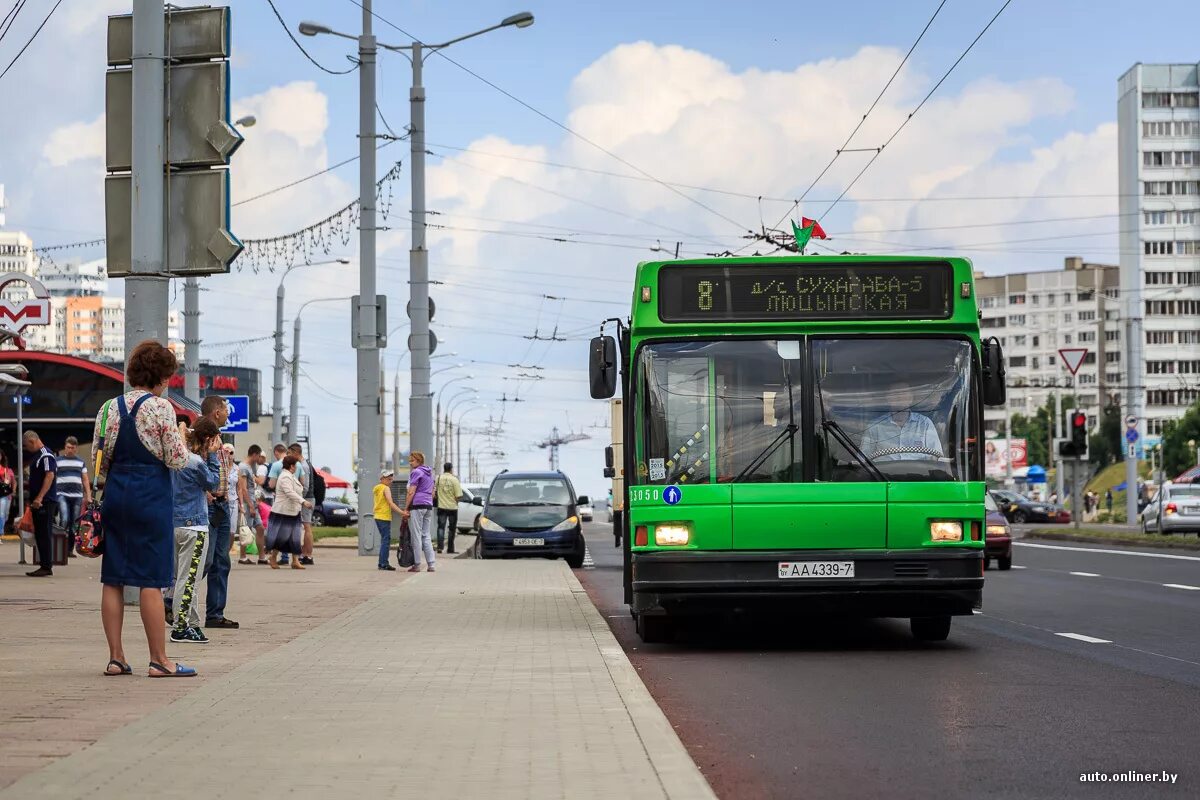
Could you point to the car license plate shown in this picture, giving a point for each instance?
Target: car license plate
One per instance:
(816, 569)
(529, 542)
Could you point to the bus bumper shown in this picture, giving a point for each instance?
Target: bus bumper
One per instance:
(885, 584)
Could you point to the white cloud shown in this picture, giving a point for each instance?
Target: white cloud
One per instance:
(76, 141)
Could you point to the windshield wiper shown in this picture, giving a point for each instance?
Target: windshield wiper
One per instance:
(788, 432)
(844, 440)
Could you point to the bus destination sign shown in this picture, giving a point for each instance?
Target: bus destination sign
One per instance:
(754, 292)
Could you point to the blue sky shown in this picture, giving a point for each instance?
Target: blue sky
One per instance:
(751, 97)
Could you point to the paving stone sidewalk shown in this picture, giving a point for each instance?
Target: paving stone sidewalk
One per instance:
(488, 679)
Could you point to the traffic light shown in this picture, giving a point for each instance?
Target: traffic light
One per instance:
(1076, 446)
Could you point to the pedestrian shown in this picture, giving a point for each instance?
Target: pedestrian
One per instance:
(384, 506)
(449, 492)
(44, 502)
(249, 485)
(1053, 498)
(285, 532)
(141, 447)
(304, 473)
(418, 510)
(191, 488)
(74, 491)
(220, 526)
(273, 473)
(8, 485)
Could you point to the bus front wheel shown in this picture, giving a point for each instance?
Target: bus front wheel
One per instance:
(930, 629)
(655, 629)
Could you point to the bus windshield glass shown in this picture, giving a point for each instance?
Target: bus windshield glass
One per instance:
(904, 402)
(720, 411)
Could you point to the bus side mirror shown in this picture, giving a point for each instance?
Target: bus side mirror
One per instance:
(609, 472)
(602, 367)
(994, 391)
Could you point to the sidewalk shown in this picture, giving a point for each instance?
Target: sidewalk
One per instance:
(487, 679)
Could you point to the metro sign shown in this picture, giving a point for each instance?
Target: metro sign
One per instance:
(1072, 358)
(23, 313)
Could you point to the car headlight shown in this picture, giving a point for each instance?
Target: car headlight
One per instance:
(566, 525)
(1039, 509)
(487, 525)
(997, 530)
(671, 535)
(946, 531)
(340, 512)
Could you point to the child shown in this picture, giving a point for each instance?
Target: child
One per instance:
(192, 485)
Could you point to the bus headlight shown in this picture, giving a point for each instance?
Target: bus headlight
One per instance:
(946, 531)
(671, 535)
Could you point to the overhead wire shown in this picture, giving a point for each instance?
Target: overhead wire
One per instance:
(299, 46)
(21, 52)
(10, 18)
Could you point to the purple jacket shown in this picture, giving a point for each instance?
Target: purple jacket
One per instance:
(422, 479)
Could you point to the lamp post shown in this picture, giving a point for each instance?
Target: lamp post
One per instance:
(277, 394)
(420, 418)
(458, 431)
(294, 405)
(437, 438)
(450, 428)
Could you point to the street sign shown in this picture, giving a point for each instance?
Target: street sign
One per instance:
(1072, 358)
(433, 342)
(33, 310)
(1132, 452)
(197, 229)
(1131, 422)
(238, 406)
(432, 309)
(1131, 435)
(198, 144)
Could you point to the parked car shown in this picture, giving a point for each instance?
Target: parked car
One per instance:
(333, 514)
(532, 514)
(997, 537)
(470, 506)
(1174, 509)
(1020, 509)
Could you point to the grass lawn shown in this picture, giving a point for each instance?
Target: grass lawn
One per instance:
(335, 533)
(1103, 536)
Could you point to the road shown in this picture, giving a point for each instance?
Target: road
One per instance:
(1010, 706)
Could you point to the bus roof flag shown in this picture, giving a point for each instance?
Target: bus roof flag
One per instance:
(1072, 358)
(807, 229)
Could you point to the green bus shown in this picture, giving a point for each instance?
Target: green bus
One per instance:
(801, 431)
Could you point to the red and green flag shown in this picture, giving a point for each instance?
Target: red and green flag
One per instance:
(807, 229)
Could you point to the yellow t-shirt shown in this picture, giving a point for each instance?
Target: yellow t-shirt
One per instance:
(383, 511)
(448, 491)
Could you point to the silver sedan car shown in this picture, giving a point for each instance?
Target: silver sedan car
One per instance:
(1175, 509)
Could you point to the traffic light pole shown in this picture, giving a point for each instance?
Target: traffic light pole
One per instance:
(1080, 465)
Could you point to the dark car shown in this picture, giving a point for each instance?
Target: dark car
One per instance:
(1020, 509)
(997, 538)
(335, 515)
(532, 514)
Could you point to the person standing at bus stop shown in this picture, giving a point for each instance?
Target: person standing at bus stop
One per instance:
(43, 501)
(418, 510)
(449, 490)
(384, 506)
(74, 491)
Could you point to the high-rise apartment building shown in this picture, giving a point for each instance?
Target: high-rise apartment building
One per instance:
(1158, 116)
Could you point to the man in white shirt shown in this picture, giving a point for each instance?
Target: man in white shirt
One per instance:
(912, 435)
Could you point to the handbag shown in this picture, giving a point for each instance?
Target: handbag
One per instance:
(404, 553)
(24, 526)
(89, 533)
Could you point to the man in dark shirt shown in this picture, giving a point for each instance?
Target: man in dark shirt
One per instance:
(43, 498)
(215, 408)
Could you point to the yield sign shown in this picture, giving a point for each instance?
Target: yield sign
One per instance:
(1072, 357)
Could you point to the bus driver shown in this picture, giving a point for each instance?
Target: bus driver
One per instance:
(902, 434)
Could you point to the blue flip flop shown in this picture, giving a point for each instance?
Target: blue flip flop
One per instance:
(125, 669)
(180, 671)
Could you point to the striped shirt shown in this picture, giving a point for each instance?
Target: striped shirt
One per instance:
(70, 475)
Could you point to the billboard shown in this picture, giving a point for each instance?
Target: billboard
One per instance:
(998, 453)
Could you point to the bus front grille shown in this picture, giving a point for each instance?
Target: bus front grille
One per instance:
(912, 569)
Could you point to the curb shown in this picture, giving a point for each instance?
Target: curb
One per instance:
(677, 772)
(1164, 544)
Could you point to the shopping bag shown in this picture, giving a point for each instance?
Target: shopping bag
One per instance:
(404, 553)
(89, 536)
(25, 523)
(245, 536)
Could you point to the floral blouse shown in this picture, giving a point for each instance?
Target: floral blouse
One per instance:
(156, 428)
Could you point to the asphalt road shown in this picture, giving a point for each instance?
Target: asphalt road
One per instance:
(1008, 707)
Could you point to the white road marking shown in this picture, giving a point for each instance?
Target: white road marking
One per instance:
(1015, 566)
(588, 563)
(1086, 574)
(1182, 586)
(1082, 638)
(1110, 552)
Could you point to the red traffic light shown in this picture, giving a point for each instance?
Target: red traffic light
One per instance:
(1079, 420)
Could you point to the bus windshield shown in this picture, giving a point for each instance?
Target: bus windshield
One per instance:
(905, 403)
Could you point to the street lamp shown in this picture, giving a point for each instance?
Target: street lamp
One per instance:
(438, 413)
(458, 428)
(294, 406)
(248, 121)
(420, 415)
(277, 394)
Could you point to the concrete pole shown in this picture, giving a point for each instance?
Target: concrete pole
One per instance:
(191, 339)
(1058, 435)
(1133, 393)
(277, 392)
(458, 449)
(396, 422)
(368, 343)
(382, 410)
(294, 405)
(146, 286)
(437, 439)
(1008, 475)
(420, 424)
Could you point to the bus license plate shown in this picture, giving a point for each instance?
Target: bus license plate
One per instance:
(816, 569)
(529, 542)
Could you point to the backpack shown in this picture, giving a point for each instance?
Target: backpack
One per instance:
(318, 487)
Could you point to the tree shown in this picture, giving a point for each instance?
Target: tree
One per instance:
(1036, 430)
(1104, 446)
(1177, 454)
